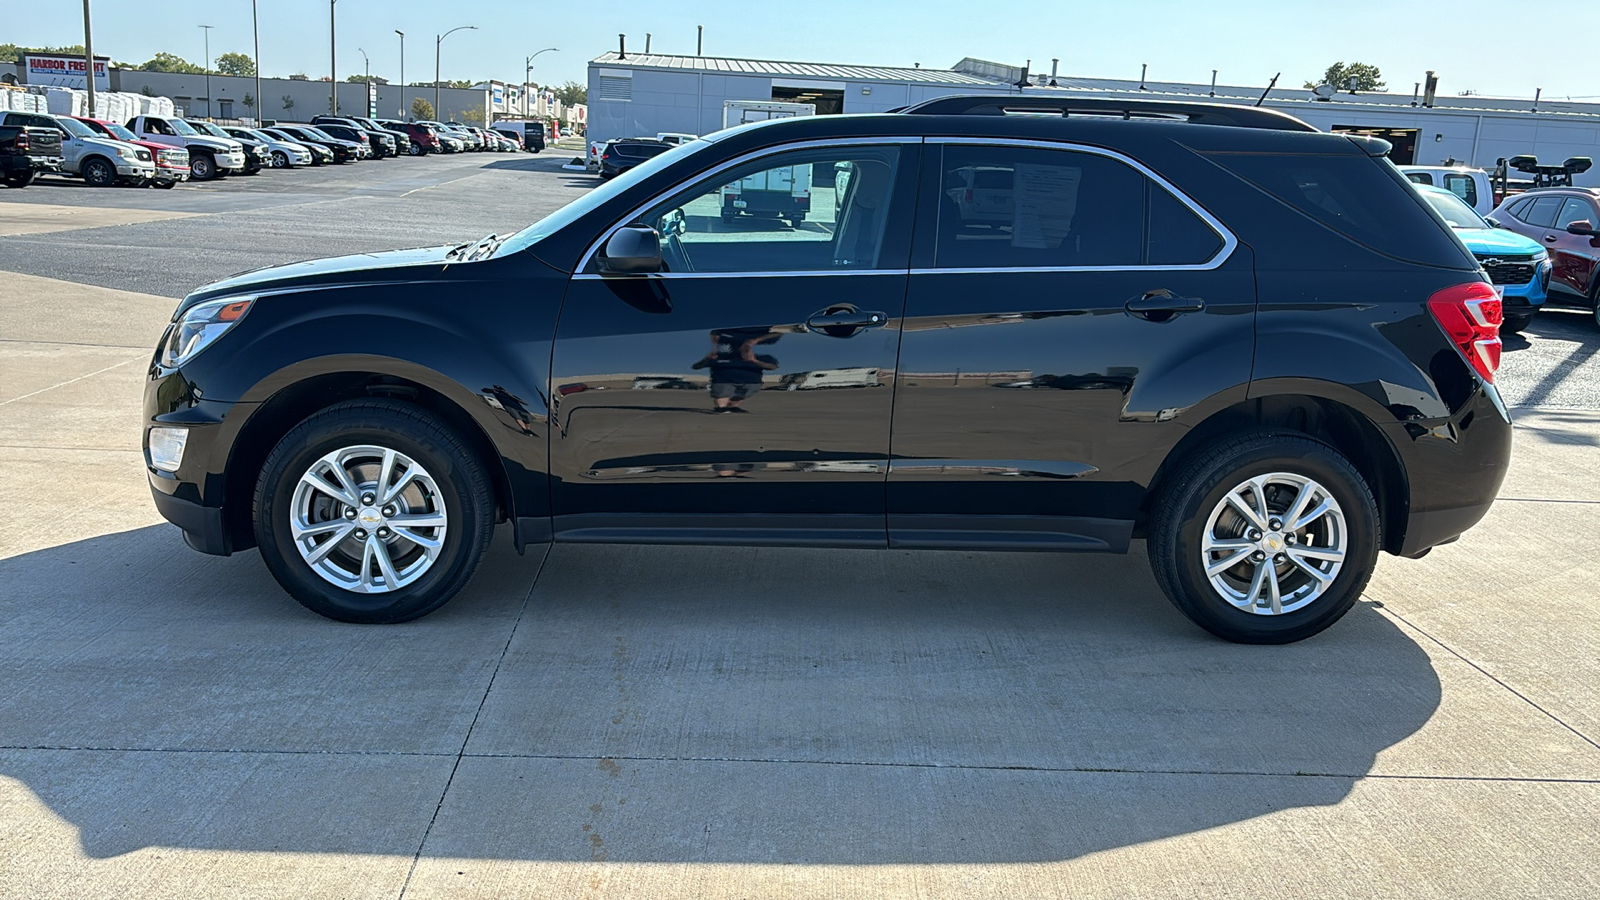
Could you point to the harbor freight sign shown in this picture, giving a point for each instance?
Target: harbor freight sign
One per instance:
(66, 71)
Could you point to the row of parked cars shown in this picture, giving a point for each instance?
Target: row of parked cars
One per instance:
(161, 151)
(1538, 246)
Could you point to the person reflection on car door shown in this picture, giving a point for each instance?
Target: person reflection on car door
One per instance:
(736, 369)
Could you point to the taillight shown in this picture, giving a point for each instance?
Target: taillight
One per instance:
(1471, 314)
(22, 140)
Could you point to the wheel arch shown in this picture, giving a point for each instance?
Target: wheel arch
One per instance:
(301, 399)
(1336, 421)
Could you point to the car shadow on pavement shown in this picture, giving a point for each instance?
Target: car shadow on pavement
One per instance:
(656, 704)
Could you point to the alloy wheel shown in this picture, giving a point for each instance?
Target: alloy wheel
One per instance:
(1274, 543)
(368, 519)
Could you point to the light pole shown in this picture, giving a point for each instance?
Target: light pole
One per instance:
(207, 30)
(371, 110)
(88, 54)
(333, 65)
(402, 72)
(436, 42)
(255, 28)
(527, 69)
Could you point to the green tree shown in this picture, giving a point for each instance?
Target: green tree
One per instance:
(146, 91)
(473, 117)
(168, 62)
(249, 102)
(1366, 76)
(571, 93)
(421, 109)
(236, 64)
(288, 102)
(458, 85)
(13, 53)
(363, 79)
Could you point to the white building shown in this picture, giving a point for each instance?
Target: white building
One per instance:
(634, 94)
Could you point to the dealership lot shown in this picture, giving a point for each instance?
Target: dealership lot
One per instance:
(697, 722)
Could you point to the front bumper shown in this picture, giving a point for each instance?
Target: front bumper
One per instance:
(135, 169)
(203, 526)
(230, 160)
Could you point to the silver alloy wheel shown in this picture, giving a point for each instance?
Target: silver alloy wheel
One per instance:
(368, 519)
(1274, 543)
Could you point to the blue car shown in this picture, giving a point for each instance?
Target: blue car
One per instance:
(1518, 266)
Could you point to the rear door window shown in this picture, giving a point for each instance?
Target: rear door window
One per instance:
(1574, 211)
(1542, 213)
(1026, 207)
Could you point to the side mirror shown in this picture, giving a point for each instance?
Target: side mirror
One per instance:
(1582, 226)
(632, 250)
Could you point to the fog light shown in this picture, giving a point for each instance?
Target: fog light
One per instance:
(166, 447)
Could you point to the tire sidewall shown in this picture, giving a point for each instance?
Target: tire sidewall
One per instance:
(99, 173)
(274, 505)
(202, 167)
(1316, 461)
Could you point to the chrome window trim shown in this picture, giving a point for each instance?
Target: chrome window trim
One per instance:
(1229, 241)
(798, 273)
(605, 235)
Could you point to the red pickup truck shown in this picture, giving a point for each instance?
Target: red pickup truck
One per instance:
(172, 163)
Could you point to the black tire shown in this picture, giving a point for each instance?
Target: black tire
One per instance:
(1515, 324)
(20, 179)
(97, 172)
(166, 185)
(280, 159)
(464, 494)
(728, 217)
(202, 167)
(416, 149)
(1594, 295)
(1203, 481)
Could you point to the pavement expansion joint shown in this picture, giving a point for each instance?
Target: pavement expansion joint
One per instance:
(72, 380)
(1386, 609)
(416, 857)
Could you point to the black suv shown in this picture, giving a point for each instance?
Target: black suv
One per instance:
(1250, 344)
(620, 156)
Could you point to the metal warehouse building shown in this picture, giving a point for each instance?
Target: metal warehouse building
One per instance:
(633, 94)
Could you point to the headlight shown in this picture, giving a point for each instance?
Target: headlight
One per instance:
(1539, 257)
(199, 327)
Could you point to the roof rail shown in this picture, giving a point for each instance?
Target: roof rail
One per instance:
(1193, 113)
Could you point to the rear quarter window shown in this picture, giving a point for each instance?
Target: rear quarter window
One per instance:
(1364, 199)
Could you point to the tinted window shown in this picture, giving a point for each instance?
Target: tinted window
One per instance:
(1362, 198)
(1543, 212)
(1463, 186)
(1023, 207)
(1520, 208)
(1420, 177)
(1574, 211)
(783, 213)
(639, 151)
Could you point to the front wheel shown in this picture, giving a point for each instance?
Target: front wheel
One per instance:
(1264, 538)
(99, 173)
(1515, 324)
(202, 167)
(166, 185)
(280, 159)
(372, 512)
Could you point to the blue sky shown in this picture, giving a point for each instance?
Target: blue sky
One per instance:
(1182, 41)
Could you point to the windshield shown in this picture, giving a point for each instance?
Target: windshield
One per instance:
(182, 127)
(591, 201)
(212, 129)
(258, 135)
(76, 128)
(119, 132)
(318, 133)
(1454, 210)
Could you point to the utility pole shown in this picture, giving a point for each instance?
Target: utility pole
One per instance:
(333, 65)
(436, 42)
(255, 28)
(402, 73)
(207, 29)
(88, 54)
(699, 40)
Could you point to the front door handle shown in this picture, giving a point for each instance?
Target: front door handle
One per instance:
(842, 321)
(1162, 305)
(1550, 238)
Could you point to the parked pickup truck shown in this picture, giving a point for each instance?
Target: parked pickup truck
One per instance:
(98, 160)
(26, 151)
(209, 156)
(172, 163)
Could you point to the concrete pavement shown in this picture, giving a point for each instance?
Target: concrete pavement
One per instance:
(699, 722)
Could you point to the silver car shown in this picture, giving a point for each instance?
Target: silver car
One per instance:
(285, 154)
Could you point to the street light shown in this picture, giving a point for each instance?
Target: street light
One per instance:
(88, 54)
(368, 63)
(333, 66)
(207, 30)
(527, 68)
(436, 42)
(402, 72)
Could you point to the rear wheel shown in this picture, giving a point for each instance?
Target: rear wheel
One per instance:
(97, 172)
(416, 149)
(1264, 538)
(372, 512)
(20, 179)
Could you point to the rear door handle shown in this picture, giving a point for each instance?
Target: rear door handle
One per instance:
(1152, 303)
(846, 318)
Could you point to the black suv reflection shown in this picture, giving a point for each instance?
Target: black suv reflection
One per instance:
(1245, 342)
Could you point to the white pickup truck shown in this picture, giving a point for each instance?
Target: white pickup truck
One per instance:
(98, 160)
(1473, 186)
(209, 156)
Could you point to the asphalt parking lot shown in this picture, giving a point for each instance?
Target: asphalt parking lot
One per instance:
(699, 722)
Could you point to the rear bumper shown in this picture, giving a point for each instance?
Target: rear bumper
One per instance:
(1454, 467)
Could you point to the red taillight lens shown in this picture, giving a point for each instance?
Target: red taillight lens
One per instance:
(22, 140)
(1471, 314)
